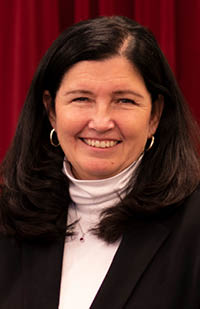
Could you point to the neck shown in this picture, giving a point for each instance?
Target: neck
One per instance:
(91, 197)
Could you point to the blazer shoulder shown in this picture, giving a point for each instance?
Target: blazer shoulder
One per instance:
(191, 205)
(9, 247)
(187, 218)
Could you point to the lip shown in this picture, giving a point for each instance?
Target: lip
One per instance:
(100, 139)
(103, 144)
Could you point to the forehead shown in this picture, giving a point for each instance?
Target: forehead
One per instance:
(116, 71)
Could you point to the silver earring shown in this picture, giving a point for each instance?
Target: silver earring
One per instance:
(151, 144)
(51, 138)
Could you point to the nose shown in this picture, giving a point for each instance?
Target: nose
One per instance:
(101, 119)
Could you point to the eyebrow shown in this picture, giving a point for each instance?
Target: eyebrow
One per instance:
(118, 92)
(122, 92)
(78, 91)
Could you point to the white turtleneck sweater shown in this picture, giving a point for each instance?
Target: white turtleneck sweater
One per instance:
(85, 263)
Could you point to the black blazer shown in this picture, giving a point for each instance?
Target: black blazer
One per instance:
(157, 266)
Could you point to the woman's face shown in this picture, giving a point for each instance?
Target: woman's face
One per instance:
(103, 117)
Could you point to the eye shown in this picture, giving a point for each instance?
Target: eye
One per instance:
(126, 101)
(80, 99)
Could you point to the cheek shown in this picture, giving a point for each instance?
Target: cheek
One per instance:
(136, 128)
(68, 125)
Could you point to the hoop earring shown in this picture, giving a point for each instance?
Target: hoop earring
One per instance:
(51, 138)
(151, 144)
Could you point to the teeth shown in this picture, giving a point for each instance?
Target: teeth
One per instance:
(100, 144)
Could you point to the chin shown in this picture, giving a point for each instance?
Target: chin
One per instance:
(96, 170)
(100, 173)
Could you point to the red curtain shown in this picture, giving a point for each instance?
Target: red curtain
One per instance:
(28, 27)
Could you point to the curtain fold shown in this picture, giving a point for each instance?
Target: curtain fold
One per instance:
(81, 9)
(28, 27)
(159, 17)
(188, 51)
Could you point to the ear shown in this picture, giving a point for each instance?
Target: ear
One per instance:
(156, 114)
(47, 101)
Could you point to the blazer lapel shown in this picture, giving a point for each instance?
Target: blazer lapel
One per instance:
(137, 249)
(41, 267)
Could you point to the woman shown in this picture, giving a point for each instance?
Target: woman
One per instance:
(99, 195)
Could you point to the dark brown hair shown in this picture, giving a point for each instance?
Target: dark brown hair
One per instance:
(34, 194)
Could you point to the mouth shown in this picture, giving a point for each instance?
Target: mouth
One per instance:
(100, 143)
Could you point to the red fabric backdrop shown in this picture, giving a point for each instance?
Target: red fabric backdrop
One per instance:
(28, 27)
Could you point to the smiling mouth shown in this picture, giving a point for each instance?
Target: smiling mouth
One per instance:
(100, 144)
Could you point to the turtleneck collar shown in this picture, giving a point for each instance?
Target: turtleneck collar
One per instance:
(102, 192)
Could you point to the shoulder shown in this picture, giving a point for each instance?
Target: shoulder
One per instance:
(185, 223)
(10, 260)
(191, 209)
(9, 247)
